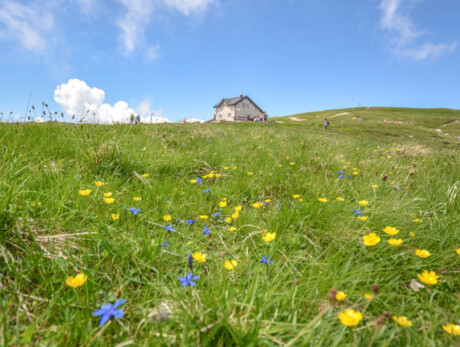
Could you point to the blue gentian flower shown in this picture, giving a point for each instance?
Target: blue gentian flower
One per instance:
(206, 190)
(341, 176)
(134, 210)
(164, 245)
(357, 212)
(266, 260)
(206, 231)
(340, 172)
(190, 261)
(349, 177)
(217, 214)
(190, 222)
(109, 311)
(188, 280)
(198, 180)
(170, 228)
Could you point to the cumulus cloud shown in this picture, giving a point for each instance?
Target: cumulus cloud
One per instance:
(30, 24)
(148, 115)
(405, 38)
(77, 98)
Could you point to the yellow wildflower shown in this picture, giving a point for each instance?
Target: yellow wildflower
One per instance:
(232, 228)
(368, 296)
(452, 329)
(268, 237)
(292, 163)
(250, 173)
(115, 216)
(363, 202)
(279, 165)
(137, 198)
(296, 196)
(350, 317)
(374, 186)
(340, 296)
(109, 200)
(323, 200)
(417, 221)
(228, 219)
(422, 253)
(203, 217)
(257, 204)
(218, 175)
(145, 175)
(230, 264)
(199, 257)
(338, 198)
(76, 281)
(108, 195)
(99, 183)
(85, 192)
(371, 239)
(235, 215)
(395, 242)
(428, 277)
(192, 181)
(223, 203)
(363, 218)
(167, 218)
(458, 251)
(238, 208)
(412, 234)
(402, 321)
(390, 230)
(225, 167)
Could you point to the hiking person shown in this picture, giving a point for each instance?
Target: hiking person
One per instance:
(138, 119)
(326, 124)
(131, 118)
(265, 117)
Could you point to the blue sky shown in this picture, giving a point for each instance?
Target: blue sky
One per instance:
(177, 58)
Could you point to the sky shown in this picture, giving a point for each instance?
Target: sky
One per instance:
(178, 58)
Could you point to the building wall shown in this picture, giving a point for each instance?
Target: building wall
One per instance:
(225, 113)
(249, 109)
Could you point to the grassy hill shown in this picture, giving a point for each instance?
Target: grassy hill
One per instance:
(296, 207)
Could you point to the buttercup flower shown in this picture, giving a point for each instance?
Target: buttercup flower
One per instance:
(374, 186)
(199, 257)
(350, 317)
(296, 196)
(422, 253)
(109, 311)
(390, 230)
(371, 239)
(76, 281)
(238, 208)
(85, 192)
(99, 183)
(257, 204)
(228, 219)
(458, 251)
(203, 216)
(412, 234)
(323, 200)
(108, 195)
(188, 280)
(363, 218)
(402, 321)
(338, 198)
(368, 296)
(235, 215)
(250, 173)
(363, 202)
(340, 296)
(109, 200)
(230, 265)
(232, 228)
(395, 242)
(452, 329)
(115, 216)
(223, 203)
(167, 218)
(145, 175)
(428, 277)
(268, 237)
(137, 198)
(417, 221)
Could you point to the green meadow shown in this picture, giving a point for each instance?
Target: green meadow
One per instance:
(284, 177)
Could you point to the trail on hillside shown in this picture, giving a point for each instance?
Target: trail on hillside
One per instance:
(295, 119)
(340, 114)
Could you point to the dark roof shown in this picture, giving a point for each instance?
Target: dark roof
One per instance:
(234, 101)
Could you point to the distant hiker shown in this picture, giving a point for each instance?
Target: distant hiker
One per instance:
(131, 118)
(326, 124)
(138, 119)
(260, 118)
(265, 118)
(185, 120)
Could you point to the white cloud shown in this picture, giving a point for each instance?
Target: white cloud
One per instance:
(77, 98)
(187, 7)
(31, 24)
(404, 36)
(139, 14)
(148, 115)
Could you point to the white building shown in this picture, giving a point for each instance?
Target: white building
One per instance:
(239, 109)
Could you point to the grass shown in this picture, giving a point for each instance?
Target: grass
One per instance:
(49, 231)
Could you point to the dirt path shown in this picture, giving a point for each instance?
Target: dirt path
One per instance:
(296, 119)
(340, 114)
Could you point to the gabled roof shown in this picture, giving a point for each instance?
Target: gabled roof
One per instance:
(234, 101)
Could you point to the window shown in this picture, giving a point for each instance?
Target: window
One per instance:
(229, 115)
(219, 116)
(243, 104)
(247, 105)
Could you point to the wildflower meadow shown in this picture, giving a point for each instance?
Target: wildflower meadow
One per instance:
(234, 233)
